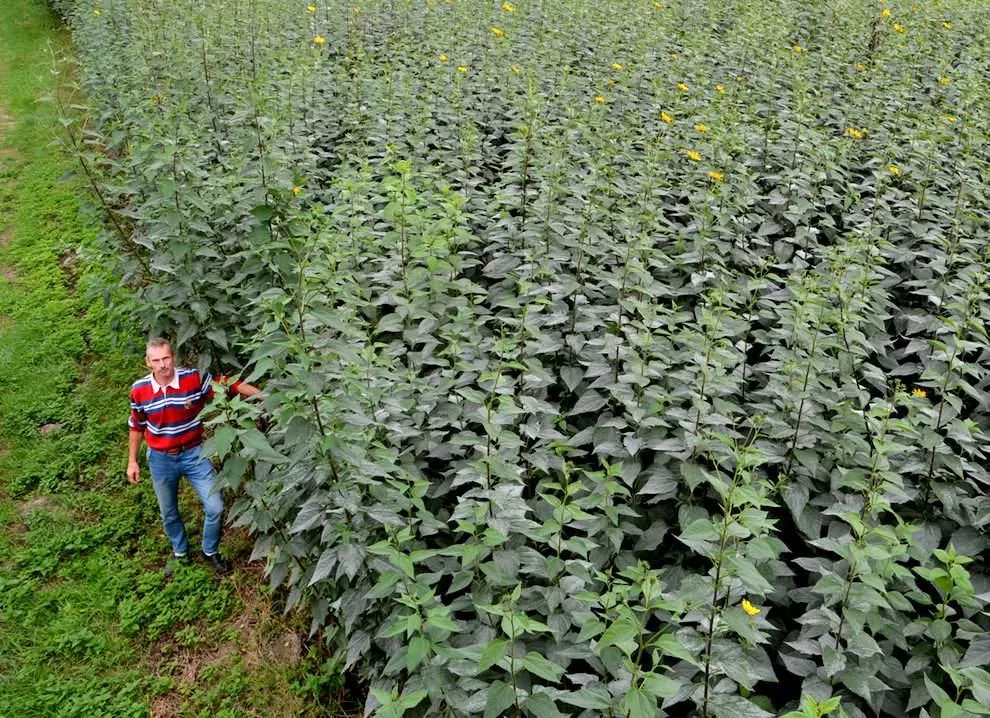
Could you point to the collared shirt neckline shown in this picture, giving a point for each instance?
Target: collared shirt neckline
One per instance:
(174, 384)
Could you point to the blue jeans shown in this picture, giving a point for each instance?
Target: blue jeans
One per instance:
(166, 469)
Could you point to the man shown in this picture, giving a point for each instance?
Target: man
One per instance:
(165, 407)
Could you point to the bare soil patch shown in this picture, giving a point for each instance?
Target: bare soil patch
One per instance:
(7, 124)
(38, 503)
(258, 637)
(69, 262)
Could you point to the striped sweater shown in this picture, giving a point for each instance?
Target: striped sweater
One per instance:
(169, 417)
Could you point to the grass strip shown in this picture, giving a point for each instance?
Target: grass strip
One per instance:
(88, 625)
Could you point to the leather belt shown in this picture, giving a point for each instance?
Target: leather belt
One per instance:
(180, 449)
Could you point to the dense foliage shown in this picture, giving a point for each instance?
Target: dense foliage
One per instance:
(621, 357)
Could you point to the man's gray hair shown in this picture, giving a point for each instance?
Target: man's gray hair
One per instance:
(158, 343)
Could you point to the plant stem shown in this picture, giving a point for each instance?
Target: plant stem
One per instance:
(804, 391)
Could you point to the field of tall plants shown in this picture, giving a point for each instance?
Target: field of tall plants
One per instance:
(622, 357)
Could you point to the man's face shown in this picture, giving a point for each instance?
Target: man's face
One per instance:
(159, 360)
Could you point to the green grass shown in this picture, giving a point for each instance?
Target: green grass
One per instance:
(88, 624)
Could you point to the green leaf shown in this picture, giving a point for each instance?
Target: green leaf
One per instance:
(441, 621)
(624, 631)
(351, 557)
(501, 696)
(637, 704)
(981, 683)
(700, 536)
(938, 695)
(834, 661)
(493, 653)
(418, 647)
(385, 585)
(660, 686)
(257, 447)
(539, 665)
(972, 706)
(403, 563)
(328, 559)
(752, 579)
(671, 645)
(263, 212)
(412, 699)
(590, 629)
(588, 402)
(940, 629)
(540, 705)
(594, 696)
(726, 705)
(222, 439)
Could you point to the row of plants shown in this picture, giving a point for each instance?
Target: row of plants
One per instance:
(620, 358)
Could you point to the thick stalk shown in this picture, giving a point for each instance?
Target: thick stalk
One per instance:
(804, 392)
(136, 249)
(716, 587)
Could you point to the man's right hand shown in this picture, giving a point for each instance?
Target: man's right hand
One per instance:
(133, 472)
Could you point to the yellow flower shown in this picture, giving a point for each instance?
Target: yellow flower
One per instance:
(664, 117)
(886, 12)
(357, 11)
(674, 56)
(296, 190)
(498, 32)
(898, 27)
(657, 4)
(717, 176)
(442, 58)
(944, 80)
(514, 68)
(860, 66)
(682, 87)
(96, 12)
(947, 25)
(507, 7)
(311, 8)
(616, 65)
(719, 89)
(700, 128)
(692, 155)
(462, 69)
(919, 392)
(853, 132)
(894, 170)
(951, 119)
(797, 48)
(749, 608)
(319, 39)
(599, 99)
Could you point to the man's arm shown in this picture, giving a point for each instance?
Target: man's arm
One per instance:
(238, 387)
(133, 444)
(246, 390)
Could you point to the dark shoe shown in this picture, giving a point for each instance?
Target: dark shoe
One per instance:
(173, 564)
(219, 565)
